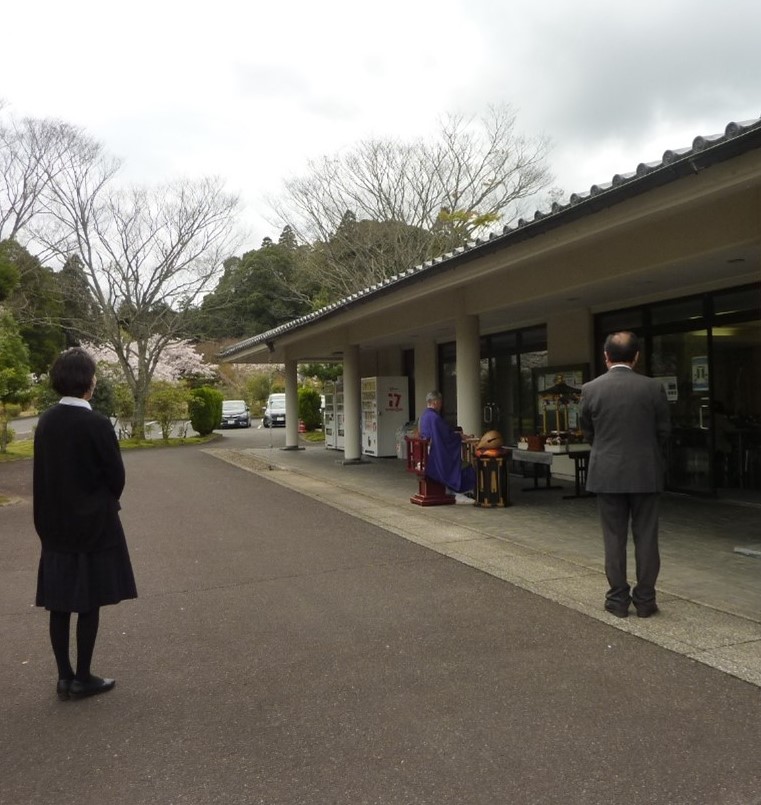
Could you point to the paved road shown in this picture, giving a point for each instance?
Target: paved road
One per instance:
(284, 652)
(24, 426)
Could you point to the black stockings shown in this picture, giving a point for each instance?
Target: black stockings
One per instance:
(87, 631)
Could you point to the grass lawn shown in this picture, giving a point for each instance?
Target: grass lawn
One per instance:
(142, 444)
(16, 450)
(24, 448)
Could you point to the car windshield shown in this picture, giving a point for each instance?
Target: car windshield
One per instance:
(277, 403)
(233, 405)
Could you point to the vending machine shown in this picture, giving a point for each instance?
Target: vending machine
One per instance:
(340, 423)
(333, 415)
(329, 415)
(385, 404)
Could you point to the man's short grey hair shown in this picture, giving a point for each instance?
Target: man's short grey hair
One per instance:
(432, 396)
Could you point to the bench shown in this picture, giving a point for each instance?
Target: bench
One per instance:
(430, 492)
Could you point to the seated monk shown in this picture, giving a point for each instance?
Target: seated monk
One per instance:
(445, 451)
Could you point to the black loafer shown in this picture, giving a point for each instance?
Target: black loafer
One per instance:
(63, 688)
(93, 686)
(646, 610)
(619, 612)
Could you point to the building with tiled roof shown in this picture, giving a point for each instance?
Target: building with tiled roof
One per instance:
(671, 250)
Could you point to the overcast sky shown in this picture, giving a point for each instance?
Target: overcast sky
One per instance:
(250, 91)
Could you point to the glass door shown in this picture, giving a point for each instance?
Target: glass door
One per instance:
(736, 386)
(508, 404)
(497, 395)
(680, 361)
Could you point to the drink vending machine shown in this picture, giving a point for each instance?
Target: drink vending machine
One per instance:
(385, 404)
(333, 415)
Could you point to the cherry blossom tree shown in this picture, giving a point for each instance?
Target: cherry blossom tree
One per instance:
(179, 360)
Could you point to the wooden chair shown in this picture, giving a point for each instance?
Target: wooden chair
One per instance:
(430, 492)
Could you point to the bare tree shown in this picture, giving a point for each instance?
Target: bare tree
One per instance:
(429, 196)
(147, 255)
(29, 150)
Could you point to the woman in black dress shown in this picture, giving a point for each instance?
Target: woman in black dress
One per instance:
(78, 479)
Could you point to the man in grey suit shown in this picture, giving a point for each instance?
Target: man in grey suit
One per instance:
(625, 417)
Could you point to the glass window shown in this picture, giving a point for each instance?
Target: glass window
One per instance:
(712, 379)
(679, 310)
(618, 320)
(507, 360)
(533, 339)
(737, 301)
(502, 342)
(448, 382)
(683, 368)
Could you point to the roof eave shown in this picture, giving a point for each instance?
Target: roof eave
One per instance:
(675, 165)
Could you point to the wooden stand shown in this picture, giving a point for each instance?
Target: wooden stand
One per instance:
(430, 493)
(492, 482)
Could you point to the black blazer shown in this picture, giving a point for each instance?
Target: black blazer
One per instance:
(78, 479)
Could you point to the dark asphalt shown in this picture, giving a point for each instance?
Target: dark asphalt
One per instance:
(282, 651)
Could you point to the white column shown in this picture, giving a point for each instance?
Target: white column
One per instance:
(468, 374)
(291, 406)
(352, 405)
(425, 373)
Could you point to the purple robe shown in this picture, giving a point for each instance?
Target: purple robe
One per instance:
(445, 453)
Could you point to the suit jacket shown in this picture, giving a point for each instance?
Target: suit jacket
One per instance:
(78, 478)
(625, 417)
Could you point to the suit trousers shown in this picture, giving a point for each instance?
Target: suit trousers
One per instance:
(616, 510)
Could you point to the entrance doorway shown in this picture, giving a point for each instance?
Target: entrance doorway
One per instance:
(508, 404)
(706, 350)
(736, 409)
(680, 361)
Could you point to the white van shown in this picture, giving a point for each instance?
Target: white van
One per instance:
(274, 413)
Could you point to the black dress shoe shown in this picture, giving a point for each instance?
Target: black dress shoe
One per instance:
(617, 610)
(93, 686)
(63, 689)
(646, 610)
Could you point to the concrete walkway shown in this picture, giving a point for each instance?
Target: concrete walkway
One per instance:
(710, 583)
(288, 648)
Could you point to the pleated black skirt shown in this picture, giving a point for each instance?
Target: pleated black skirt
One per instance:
(81, 582)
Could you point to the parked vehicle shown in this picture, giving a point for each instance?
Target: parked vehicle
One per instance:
(274, 413)
(235, 414)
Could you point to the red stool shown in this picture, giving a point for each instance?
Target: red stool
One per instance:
(430, 492)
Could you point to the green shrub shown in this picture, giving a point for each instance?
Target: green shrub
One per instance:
(309, 408)
(104, 398)
(12, 410)
(167, 404)
(124, 402)
(124, 409)
(7, 434)
(205, 409)
(44, 396)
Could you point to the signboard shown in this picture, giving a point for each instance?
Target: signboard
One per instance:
(700, 373)
(672, 389)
